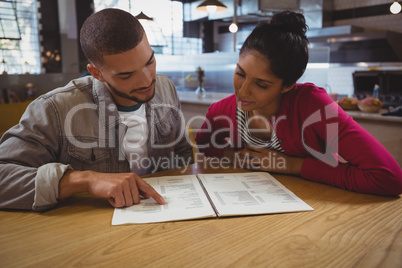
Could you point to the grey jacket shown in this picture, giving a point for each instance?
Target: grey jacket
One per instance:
(78, 127)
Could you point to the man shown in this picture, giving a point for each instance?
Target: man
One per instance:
(98, 133)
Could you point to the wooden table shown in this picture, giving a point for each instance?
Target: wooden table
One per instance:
(345, 230)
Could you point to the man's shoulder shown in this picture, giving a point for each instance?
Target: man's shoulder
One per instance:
(161, 78)
(165, 89)
(164, 83)
(75, 92)
(75, 87)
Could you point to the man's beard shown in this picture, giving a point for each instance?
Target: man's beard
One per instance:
(126, 96)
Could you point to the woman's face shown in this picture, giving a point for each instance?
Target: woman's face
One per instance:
(256, 87)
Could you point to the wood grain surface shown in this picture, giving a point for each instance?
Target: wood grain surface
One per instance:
(346, 229)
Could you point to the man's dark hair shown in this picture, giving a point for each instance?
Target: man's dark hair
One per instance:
(108, 32)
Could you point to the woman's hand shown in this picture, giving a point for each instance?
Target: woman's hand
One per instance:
(264, 159)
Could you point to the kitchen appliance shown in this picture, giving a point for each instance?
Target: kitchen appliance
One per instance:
(381, 46)
(390, 82)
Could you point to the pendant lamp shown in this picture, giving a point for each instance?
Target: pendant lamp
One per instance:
(211, 6)
(395, 8)
(142, 16)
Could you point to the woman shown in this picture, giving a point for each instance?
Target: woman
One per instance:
(273, 124)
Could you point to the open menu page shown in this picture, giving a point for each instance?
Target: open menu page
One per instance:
(212, 195)
(250, 193)
(184, 196)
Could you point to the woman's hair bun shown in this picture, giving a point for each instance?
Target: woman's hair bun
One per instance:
(290, 21)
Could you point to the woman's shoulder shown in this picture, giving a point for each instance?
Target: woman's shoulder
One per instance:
(308, 92)
(226, 103)
(304, 99)
(228, 99)
(308, 88)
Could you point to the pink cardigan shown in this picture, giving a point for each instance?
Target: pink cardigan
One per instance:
(311, 125)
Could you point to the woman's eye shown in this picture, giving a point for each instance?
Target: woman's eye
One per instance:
(240, 74)
(262, 86)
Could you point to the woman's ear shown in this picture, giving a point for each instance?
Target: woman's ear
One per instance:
(286, 89)
(95, 72)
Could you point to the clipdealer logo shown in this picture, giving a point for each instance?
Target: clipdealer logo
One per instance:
(106, 139)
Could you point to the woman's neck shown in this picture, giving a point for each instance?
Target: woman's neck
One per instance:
(268, 111)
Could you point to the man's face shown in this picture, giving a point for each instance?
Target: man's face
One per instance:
(129, 76)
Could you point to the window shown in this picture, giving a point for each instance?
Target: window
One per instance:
(165, 33)
(9, 28)
(19, 42)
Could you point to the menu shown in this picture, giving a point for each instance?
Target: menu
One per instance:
(212, 195)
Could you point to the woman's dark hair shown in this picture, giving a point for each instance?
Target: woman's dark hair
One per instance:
(284, 43)
(108, 32)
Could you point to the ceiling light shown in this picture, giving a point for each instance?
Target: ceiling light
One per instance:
(144, 17)
(233, 27)
(395, 8)
(211, 6)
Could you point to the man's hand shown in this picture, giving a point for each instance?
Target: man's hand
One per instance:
(122, 189)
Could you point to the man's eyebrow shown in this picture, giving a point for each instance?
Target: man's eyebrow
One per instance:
(152, 56)
(259, 79)
(239, 67)
(148, 62)
(125, 73)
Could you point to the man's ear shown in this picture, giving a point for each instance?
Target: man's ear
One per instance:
(95, 72)
(286, 89)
